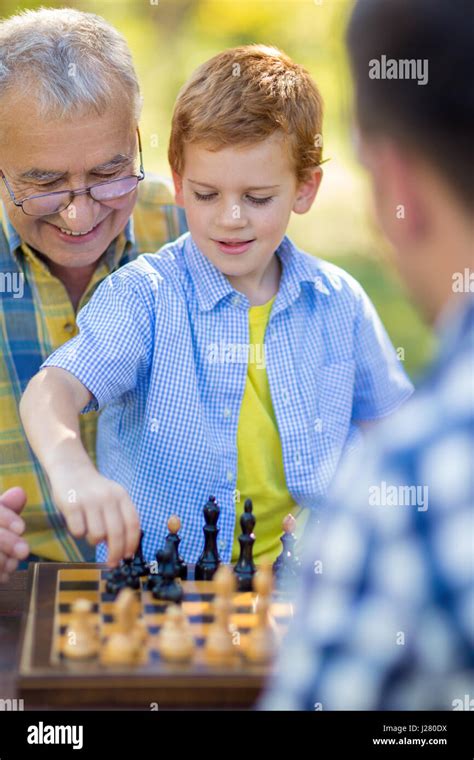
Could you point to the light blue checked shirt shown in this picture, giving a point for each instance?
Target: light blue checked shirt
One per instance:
(385, 615)
(157, 349)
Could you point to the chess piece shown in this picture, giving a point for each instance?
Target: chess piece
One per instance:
(123, 576)
(139, 566)
(166, 587)
(175, 640)
(245, 567)
(287, 565)
(128, 572)
(209, 560)
(82, 636)
(125, 645)
(219, 648)
(174, 524)
(262, 641)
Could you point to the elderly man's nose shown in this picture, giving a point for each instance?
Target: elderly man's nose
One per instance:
(81, 214)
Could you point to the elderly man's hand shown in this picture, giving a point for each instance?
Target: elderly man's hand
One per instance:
(12, 526)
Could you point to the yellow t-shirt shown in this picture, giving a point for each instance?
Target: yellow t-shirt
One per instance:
(260, 475)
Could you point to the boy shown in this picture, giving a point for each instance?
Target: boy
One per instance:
(171, 347)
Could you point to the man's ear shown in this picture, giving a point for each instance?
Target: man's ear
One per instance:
(399, 191)
(307, 191)
(178, 187)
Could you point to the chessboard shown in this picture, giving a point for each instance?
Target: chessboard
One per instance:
(48, 676)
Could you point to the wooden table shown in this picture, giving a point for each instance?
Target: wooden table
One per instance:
(12, 605)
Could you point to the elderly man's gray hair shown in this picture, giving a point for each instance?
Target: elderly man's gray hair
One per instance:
(67, 61)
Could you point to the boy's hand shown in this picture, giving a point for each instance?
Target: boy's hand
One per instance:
(97, 508)
(12, 546)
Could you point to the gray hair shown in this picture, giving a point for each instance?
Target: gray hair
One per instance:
(67, 61)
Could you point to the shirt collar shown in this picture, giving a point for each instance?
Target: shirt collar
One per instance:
(12, 236)
(211, 286)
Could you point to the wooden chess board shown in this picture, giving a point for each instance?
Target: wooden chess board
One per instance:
(47, 676)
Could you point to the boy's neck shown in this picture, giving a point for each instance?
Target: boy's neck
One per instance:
(259, 287)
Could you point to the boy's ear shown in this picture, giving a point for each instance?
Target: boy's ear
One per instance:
(307, 191)
(178, 188)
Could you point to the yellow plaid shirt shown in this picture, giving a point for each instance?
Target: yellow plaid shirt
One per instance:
(156, 221)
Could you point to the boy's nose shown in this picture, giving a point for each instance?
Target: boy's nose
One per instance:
(232, 216)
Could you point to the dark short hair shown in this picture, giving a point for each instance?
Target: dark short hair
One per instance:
(436, 120)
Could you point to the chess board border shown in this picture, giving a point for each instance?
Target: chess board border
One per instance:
(41, 683)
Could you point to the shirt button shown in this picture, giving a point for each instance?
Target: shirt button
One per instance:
(222, 543)
(227, 413)
(236, 300)
(69, 327)
(297, 458)
(230, 475)
(285, 397)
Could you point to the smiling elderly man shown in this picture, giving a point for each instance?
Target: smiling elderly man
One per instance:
(74, 208)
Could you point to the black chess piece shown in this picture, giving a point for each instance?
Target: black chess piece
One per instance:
(124, 576)
(245, 567)
(173, 540)
(287, 565)
(209, 560)
(154, 579)
(114, 580)
(140, 567)
(167, 588)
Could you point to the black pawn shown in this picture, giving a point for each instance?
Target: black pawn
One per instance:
(245, 567)
(167, 589)
(140, 567)
(209, 560)
(287, 565)
(173, 540)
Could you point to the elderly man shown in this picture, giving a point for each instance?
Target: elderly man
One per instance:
(385, 607)
(74, 209)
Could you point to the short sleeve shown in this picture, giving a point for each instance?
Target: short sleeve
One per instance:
(114, 344)
(381, 383)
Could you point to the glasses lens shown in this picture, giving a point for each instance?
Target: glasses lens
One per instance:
(114, 190)
(46, 204)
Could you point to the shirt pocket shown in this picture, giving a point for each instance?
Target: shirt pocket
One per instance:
(335, 390)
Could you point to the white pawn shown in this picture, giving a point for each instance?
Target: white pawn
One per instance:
(220, 648)
(175, 640)
(262, 642)
(82, 636)
(124, 647)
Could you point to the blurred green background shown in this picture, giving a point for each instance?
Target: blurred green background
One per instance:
(169, 38)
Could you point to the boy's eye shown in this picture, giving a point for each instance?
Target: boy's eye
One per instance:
(259, 201)
(204, 196)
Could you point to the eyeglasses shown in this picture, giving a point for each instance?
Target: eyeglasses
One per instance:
(111, 192)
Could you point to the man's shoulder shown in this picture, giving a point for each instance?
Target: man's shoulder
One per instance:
(155, 190)
(156, 217)
(434, 431)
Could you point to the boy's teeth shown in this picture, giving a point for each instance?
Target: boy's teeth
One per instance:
(75, 234)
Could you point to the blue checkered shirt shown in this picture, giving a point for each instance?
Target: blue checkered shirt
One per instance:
(160, 348)
(386, 604)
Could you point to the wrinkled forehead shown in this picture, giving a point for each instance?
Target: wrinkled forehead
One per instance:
(71, 144)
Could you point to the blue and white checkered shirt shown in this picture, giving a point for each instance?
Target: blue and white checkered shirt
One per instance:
(162, 347)
(386, 604)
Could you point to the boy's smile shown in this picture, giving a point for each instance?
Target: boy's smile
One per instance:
(238, 201)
